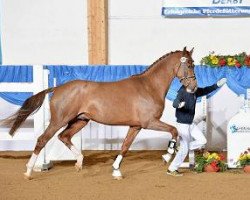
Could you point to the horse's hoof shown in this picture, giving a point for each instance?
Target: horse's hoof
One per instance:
(78, 167)
(117, 175)
(27, 176)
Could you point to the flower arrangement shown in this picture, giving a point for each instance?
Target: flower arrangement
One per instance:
(244, 159)
(237, 60)
(210, 162)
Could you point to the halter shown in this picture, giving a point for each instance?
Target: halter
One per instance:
(183, 64)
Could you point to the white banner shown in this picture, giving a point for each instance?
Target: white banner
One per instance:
(205, 8)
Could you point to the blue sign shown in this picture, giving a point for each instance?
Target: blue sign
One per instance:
(239, 129)
(205, 8)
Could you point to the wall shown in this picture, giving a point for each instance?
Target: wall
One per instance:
(140, 35)
(44, 32)
(55, 32)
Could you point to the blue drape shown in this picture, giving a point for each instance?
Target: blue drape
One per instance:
(16, 74)
(238, 78)
(101, 73)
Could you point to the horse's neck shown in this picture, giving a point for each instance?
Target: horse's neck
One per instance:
(160, 77)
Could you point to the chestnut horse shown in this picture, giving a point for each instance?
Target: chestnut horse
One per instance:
(137, 102)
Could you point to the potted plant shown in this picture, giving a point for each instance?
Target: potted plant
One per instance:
(244, 161)
(210, 162)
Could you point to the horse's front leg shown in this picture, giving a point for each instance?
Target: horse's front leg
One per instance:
(132, 133)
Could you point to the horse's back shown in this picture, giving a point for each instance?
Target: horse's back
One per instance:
(117, 103)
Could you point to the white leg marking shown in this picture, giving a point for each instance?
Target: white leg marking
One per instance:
(30, 166)
(78, 156)
(116, 165)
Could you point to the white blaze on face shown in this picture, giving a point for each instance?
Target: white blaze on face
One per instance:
(183, 59)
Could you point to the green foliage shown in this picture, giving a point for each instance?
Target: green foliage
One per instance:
(200, 163)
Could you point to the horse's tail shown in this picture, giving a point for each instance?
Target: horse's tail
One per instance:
(30, 106)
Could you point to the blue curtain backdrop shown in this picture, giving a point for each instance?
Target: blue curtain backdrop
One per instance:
(238, 78)
(16, 74)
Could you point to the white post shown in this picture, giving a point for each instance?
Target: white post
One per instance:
(41, 118)
(38, 80)
(46, 116)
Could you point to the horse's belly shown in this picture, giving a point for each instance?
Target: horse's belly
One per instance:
(113, 115)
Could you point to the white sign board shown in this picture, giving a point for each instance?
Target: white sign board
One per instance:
(238, 137)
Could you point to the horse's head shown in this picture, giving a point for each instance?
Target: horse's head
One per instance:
(185, 70)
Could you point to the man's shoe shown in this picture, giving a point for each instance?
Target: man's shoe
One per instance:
(192, 167)
(174, 173)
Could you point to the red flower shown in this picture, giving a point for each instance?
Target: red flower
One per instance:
(222, 62)
(247, 61)
(237, 64)
(214, 165)
(221, 157)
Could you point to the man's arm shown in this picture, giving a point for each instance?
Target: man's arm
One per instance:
(204, 91)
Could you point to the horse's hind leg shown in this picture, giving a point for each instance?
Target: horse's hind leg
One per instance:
(65, 136)
(41, 142)
(158, 125)
(132, 133)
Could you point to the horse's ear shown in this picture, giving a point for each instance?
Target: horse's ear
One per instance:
(184, 51)
(191, 52)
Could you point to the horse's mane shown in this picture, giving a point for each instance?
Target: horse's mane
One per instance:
(154, 63)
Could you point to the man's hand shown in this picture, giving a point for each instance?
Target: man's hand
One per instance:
(181, 104)
(221, 82)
